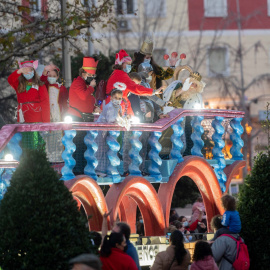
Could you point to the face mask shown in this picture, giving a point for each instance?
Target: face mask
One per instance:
(141, 221)
(88, 80)
(149, 79)
(147, 60)
(185, 224)
(116, 102)
(125, 248)
(52, 80)
(29, 76)
(127, 69)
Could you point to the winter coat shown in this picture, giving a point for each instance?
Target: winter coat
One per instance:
(164, 259)
(122, 77)
(81, 97)
(224, 246)
(33, 103)
(118, 260)
(58, 96)
(195, 210)
(208, 263)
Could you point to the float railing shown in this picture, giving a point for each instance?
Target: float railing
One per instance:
(10, 138)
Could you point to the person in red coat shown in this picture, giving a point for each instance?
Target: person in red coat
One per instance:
(120, 74)
(81, 98)
(112, 253)
(58, 94)
(32, 95)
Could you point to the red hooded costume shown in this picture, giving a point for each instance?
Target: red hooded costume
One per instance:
(122, 77)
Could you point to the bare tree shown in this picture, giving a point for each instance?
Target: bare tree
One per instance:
(28, 31)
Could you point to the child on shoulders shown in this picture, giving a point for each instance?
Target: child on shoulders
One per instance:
(231, 221)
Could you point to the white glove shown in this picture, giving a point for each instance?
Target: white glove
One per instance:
(186, 85)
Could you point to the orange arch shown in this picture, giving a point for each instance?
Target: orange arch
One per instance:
(143, 193)
(87, 192)
(204, 177)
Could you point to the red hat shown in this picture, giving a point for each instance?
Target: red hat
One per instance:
(31, 63)
(90, 65)
(122, 57)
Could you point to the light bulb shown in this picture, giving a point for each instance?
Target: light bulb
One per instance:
(8, 157)
(68, 119)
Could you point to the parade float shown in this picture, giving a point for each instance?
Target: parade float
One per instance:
(211, 174)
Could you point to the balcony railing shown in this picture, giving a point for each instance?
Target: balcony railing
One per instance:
(158, 167)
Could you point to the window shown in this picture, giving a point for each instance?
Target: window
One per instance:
(155, 8)
(218, 61)
(215, 8)
(125, 7)
(35, 7)
(234, 189)
(268, 7)
(88, 3)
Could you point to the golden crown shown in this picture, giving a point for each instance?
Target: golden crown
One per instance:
(196, 75)
(147, 47)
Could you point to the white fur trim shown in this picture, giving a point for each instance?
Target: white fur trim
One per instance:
(120, 86)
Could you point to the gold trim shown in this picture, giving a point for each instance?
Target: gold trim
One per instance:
(91, 68)
(179, 69)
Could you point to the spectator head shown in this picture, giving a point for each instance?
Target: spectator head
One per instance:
(122, 59)
(182, 219)
(199, 199)
(178, 225)
(171, 229)
(117, 94)
(135, 77)
(177, 240)
(202, 250)
(216, 222)
(97, 238)
(85, 262)
(122, 227)
(114, 240)
(172, 212)
(228, 202)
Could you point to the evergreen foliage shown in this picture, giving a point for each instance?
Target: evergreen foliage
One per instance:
(41, 227)
(254, 207)
(186, 192)
(104, 67)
